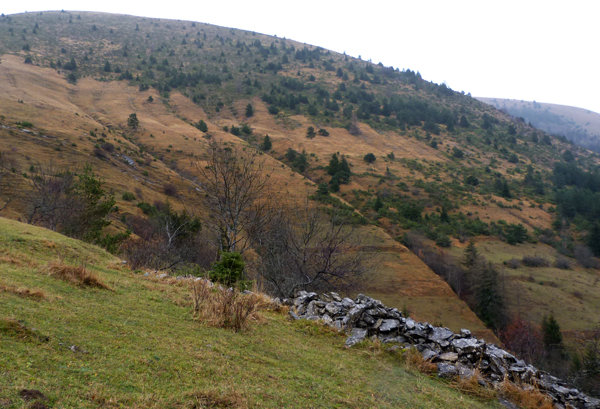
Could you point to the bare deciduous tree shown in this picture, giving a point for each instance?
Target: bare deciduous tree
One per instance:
(235, 186)
(304, 249)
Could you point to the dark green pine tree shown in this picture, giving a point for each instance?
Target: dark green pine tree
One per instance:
(266, 144)
(489, 302)
(334, 165)
(551, 334)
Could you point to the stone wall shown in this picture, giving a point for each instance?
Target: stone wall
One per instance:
(456, 355)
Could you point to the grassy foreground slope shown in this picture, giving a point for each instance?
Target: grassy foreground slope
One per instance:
(136, 345)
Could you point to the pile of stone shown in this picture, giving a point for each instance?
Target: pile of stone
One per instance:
(456, 355)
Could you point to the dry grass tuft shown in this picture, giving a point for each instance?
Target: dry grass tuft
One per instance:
(414, 360)
(10, 260)
(530, 398)
(76, 275)
(216, 400)
(472, 387)
(225, 308)
(23, 292)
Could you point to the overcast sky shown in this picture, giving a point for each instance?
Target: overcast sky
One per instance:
(545, 51)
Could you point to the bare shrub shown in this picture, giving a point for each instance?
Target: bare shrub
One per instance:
(513, 263)
(562, 263)
(585, 257)
(534, 261)
(301, 248)
(223, 307)
(523, 338)
(76, 275)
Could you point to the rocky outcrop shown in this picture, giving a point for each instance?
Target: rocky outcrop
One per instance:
(456, 354)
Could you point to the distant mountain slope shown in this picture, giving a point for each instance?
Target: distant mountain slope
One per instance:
(576, 124)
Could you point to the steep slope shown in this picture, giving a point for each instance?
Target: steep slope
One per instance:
(64, 114)
(576, 124)
(137, 345)
(445, 164)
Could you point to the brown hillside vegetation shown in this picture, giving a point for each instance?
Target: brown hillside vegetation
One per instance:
(64, 114)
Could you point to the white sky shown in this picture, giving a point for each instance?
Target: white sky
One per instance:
(527, 49)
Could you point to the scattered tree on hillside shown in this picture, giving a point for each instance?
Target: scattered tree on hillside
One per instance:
(132, 121)
(249, 110)
(266, 144)
(310, 132)
(201, 125)
(233, 183)
(369, 158)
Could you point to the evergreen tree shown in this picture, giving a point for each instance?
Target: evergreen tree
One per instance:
(471, 255)
(369, 158)
(551, 334)
(489, 302)
(249, 110)
(334, 165)
(133, 121)
(266, 144)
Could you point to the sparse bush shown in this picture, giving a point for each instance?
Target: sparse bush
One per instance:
(535, 261)
(562, 263)
(585, 257)
(170, 189)
(513, 263)
(128, 196)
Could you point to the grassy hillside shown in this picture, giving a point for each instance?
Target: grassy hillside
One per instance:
(576, 124)
(445, 165)
(136, 345)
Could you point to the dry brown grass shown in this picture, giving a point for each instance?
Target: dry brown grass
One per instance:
(78, 275)
(225, 308)
(530, 398)
(216, 400)
(472, 387)
(414, 360)
(23, 292)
